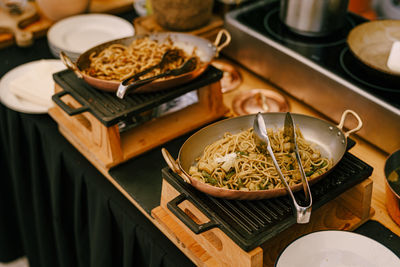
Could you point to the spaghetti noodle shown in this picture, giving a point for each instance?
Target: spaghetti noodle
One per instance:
(234, 162)
(118, 61)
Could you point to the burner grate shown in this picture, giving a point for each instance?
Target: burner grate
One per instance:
(109, 109)
(368, 76)
(252, 223)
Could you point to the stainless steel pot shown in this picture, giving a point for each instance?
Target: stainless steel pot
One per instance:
(313, 17)
(331, 140)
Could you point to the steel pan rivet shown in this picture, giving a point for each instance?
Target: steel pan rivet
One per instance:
(331, 128)
(339, 133)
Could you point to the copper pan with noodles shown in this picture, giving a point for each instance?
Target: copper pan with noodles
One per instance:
(329, 139)
(108, 81)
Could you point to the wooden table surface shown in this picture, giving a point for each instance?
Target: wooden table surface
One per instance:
(363, 149)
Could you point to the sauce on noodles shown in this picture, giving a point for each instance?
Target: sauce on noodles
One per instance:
(234, 162)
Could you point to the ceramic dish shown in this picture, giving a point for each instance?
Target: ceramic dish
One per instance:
(336, 248)
(76, 34)
(9, 99)
(371, 43)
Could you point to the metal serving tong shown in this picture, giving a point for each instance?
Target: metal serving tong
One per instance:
(303, 213)
(169, 56)
(127, 86)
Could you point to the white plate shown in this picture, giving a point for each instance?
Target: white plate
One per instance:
(18, 104)
(336, 248)
(79, 33)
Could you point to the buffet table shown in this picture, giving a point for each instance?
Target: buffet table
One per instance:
(55, 207)
(59, 210)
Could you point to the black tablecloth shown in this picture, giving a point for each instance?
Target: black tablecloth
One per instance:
(55, 207)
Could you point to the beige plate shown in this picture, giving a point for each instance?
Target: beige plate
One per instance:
(372, 41)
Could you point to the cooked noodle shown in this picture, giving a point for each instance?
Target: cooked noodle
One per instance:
(234, 162)
(118, 61)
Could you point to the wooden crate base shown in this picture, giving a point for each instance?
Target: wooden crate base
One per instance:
(213, 248)
(105, 147)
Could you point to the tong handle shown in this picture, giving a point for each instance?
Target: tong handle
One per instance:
(139, 74)
(303, 213)
(125, 89)
(192, 225)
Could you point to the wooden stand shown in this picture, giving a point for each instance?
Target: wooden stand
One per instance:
(215, 248)
(106, 147)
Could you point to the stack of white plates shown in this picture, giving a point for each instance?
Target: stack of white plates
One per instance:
(74, 35)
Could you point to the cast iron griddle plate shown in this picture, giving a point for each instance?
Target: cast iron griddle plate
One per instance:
(109, 109)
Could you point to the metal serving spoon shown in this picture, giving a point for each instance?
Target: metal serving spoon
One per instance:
(187, 66)
(303, 213)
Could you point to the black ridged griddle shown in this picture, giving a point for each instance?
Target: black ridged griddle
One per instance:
(109, 109)
(252, 223)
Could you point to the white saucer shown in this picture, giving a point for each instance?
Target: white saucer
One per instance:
(336, 248)
(79, 33)
(11, 101)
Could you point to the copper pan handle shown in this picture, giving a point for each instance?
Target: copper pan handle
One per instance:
(174, 165)
(70, 65)
(218, 39)
(342, 120)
